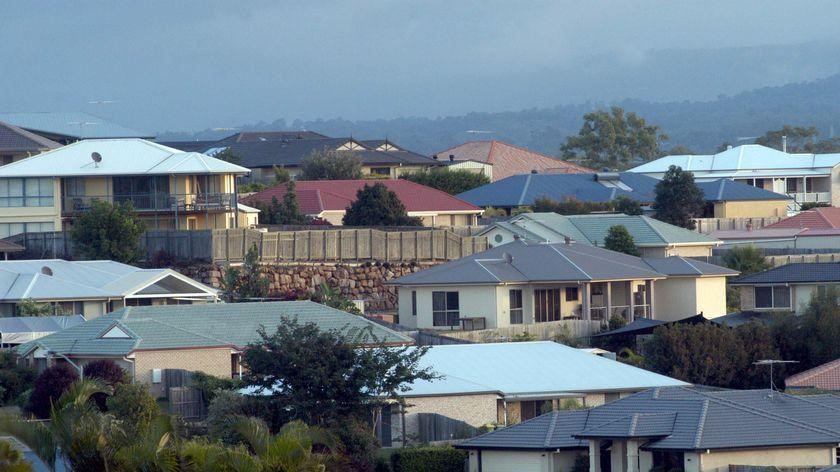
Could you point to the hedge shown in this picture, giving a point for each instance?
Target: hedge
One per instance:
(428, 459)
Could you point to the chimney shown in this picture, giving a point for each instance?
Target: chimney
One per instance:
(784, 143)
(567, 240)
(728, 147)
(451, 157)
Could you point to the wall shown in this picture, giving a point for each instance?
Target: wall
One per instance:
(475, 410)
(800, 297)
(50, 214)
(710, 296)
(719, 460)
(213, 361)
(675, 298)
(480, 301)
(519, 461)
(751, 209)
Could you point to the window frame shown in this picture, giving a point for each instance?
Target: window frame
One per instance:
(517, 313)
(451, 316)
(577, 294)
(547, 305)
(25, 196)
(772, 290)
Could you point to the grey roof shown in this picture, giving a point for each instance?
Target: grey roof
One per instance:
(73, 124)
(15, 139)
(743, 317)
(206, 325)
(796, 273)
(730, 191)
(681, 418)
(676, 266)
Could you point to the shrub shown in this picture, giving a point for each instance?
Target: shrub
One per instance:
(108, 373)
(49, 386)
(210, 385)
(428, 459)
(581, 464)
(223, 411)
(162, 259)
(359, 445)
(14, 379)
(108, 231)
(616, 321)
(134, 406)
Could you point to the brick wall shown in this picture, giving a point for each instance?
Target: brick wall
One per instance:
(213, 361)
(475, 410)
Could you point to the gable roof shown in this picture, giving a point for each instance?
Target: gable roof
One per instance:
(119, 157)
(77, 125)
(14, 139)
(817, 218)
(823, 377)
(316, 196)
(527, 368)
(190, 326)
(796, 273)
(508, 160)
(682, 419)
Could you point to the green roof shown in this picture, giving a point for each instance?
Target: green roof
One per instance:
(205, 325)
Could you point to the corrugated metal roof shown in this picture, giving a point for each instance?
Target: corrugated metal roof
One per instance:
(119, 157)
(75, 124)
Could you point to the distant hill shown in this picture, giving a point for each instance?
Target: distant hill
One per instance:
(699, 125)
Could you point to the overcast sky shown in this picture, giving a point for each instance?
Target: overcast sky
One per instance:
(183, 65)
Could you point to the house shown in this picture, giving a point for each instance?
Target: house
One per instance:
(779, 238)
(146, 340)
(670, 428)
(724, 198)
(69, 127)
(168, 189)
(524, 283)
(507, 159)
(506, 383)
(788, 287)
(17, 143)
(93, 288)
(654, 238)
(17, 330)
(805, 178)
(821, 377)
(329, 199)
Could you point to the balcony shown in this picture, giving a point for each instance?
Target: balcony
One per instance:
(156, 202)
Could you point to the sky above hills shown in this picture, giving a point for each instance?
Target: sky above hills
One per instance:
(190, 65)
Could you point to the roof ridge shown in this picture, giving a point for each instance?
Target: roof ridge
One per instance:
(634, 421)
(653, 228)
(551, 427)
(570, 261)
(701, 423)
(616, 262)
(524, 189)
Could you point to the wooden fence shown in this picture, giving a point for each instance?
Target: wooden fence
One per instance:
(339, 245)
(707, 225)
(427, 338)
(434, 427)
(577, 329)
(186, 402)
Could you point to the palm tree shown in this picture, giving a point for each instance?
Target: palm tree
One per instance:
(291, 449)
(11, 459)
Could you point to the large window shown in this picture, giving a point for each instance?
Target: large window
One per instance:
(772, 297)
(32, 192)
(515, 297)
(11, 229)
(572, 294)
(547, 305)
(143, 192)
(445, 308)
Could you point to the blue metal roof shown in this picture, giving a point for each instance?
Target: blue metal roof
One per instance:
(75, 124)
(796, 273)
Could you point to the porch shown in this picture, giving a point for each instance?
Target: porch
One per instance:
(596, 301)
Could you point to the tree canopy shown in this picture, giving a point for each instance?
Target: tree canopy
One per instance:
(620, 240)
(286, 212)
(377, 206)
(452, 182)
(331, 165)
(799, 139)
(678, 199)
(746, 260)
(108, 231)
(614, 140)
(573, 206)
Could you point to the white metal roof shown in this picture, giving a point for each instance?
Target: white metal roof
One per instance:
(119, 157)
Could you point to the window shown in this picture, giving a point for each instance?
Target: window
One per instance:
(380, 171)
(515, 300)
(445, 309)
(33, 192)
(772, 297)
(498, 238)
(546, 305)
(414, 303)
(73, 187)
(571, 294)
(11, 229)
(790, 185)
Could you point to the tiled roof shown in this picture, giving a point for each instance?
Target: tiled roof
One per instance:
(731, 191)
(315, 196)
(682, 419)
(14, 139)
(252, 136)
(817, 218)
(75, 124)
(509, 160)
(823, 377)
(796, 273)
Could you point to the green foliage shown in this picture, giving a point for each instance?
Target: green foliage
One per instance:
(564, 336)
(108, 231)
(14, 379)
(811, 205)
(678, 150)
(29, 307)
(377, 206)
(252, 187)
(821, 328)
(210, 385)
(799, 139)
(613, 140)
(286, 212)
(281, 175)
(134, 406)
(523, 337)
(573, 206)
(615, 322)
(581, 463)
(733, 299)
(746, 260)
(49, 386)
(247, 284)
(107, 373)
(334, 299)
(224, 409)
(228, 156)
(626, 205)
(620, 240)
(12, 460)
(491, 212)
(520, 210)
(628, 356)
(359, 443)
(571, 404)
(452, 182)
(331, 165)
(428, 459)
(678, 199)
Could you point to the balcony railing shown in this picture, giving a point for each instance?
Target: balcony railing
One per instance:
(811, 197)
(156, 202)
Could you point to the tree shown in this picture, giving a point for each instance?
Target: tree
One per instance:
(107, 373)
(678, 199)
(799, 139)
(49, 386)
(247, 284)
(746, 260)
(377, 206)
(620, 240)
(292, 449)
(14, 378)
(286, 212)
(134, 407)
(334, 299)
(821, 327)
(613, 140)
(108, 231)
(228, 156)
(12, 460)
(331, 165)
(569, 206)
(29, 307)
(627, 205)
(281, 175)
(811, 205)
(452, 182)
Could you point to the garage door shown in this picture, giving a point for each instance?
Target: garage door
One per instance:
(498, 461)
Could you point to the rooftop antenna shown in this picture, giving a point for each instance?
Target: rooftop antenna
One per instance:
(97, 158)
(771, 363)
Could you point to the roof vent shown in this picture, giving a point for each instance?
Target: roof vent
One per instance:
(607, 176)
(97, 158)
(567, 240)
(507, 257)
(46, 271)
(434, 156)
(451, 157)
(533, 171)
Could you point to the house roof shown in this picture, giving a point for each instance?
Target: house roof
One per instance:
(191, 326)
(682, 419)
(796, 273)
(74, 124)
(528, 368)
(823, 377)
(56, 279)
(676, 266)
(14, 139)
(9, 247)
(316, 196)
(746, 160)
(21, 329)
(508, 160)
(817, 218)
(646, 231)
(119, 157)
(523, 262)
(520, 190)
(254, 136)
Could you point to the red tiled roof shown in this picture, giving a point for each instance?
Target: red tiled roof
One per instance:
(818, 218)
(315, 196)
(823, 377)
(508, 159)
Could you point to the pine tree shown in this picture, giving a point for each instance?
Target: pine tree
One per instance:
(678, 199)
(378, 206)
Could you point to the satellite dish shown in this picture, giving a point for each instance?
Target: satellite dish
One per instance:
(46, 271)
(97, 158)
